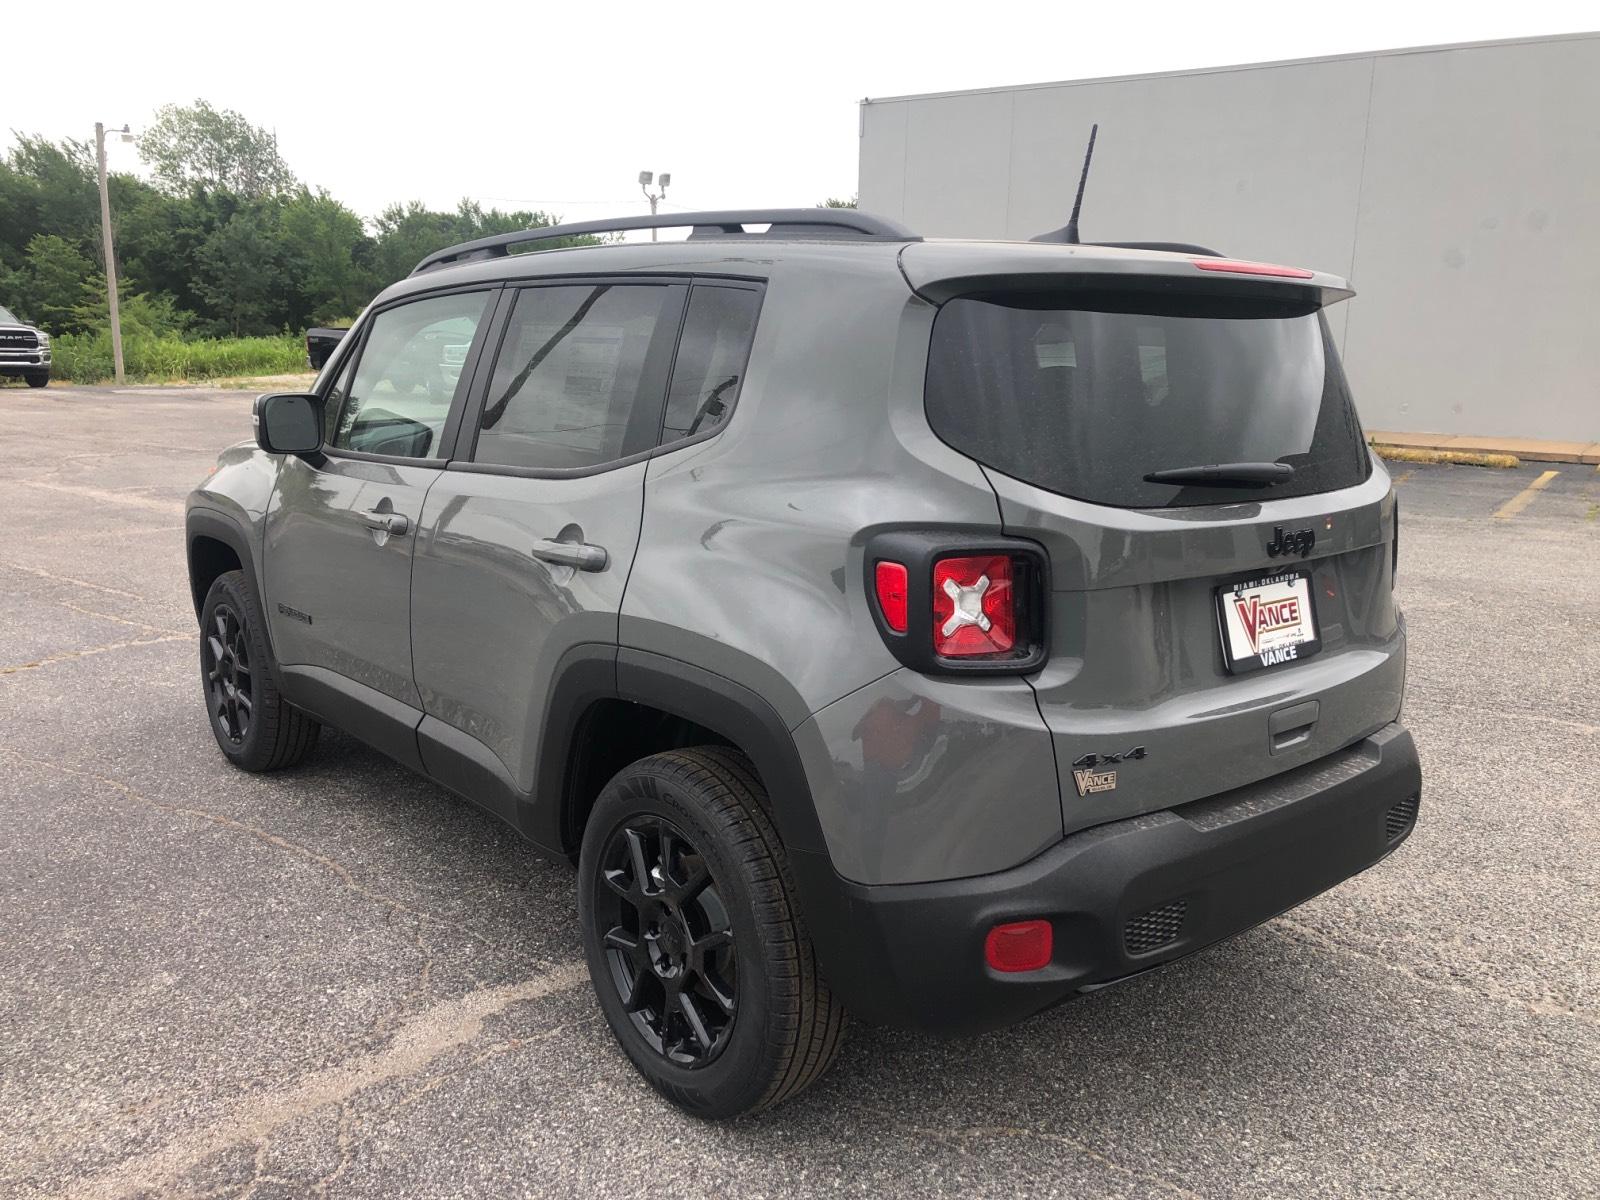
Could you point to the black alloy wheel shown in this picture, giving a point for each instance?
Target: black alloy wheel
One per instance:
(668, 940)
(226, 660)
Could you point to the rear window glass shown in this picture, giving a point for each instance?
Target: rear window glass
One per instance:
(1087, 400)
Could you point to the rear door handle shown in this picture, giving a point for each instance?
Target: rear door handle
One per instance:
(572, 554)
(388, 522)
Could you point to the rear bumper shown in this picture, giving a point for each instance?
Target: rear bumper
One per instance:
(1122, 897)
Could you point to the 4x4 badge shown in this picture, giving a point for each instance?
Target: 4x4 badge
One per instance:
(1086, 779)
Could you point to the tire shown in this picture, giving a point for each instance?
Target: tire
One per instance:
(39, 380)
(255, 727)
(702, 814)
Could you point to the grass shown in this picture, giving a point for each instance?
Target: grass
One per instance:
(86, 358)
(1460, 458)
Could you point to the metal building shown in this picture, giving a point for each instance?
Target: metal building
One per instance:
(1458, 187)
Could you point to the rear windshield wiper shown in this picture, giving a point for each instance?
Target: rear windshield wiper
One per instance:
(1257, 474)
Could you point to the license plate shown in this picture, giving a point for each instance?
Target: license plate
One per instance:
(1267, 621)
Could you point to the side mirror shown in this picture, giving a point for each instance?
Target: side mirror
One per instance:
(289, 423)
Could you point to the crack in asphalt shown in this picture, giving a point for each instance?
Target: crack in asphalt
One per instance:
(69, 655)
(416, 1044)
(98, 587)
(90, 612)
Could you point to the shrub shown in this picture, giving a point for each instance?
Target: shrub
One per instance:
(86, 357)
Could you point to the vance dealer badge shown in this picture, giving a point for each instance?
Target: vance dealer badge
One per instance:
(1088, 779)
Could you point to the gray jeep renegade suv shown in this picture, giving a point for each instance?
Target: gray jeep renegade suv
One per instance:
(928, 630)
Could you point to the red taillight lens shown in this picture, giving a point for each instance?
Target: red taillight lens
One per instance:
(891, 584)
(1019, 946)
(1233, 267)
(974, 606)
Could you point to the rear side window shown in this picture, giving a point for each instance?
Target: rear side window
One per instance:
(712, 353)
(1086, 400)
(579, 378)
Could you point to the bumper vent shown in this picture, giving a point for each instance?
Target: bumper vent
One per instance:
(1400, 818)
(1157, 928)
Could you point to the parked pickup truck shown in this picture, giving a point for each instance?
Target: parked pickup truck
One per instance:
(24, 350)
(320, 344)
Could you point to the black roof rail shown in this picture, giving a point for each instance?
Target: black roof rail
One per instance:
(791, 222)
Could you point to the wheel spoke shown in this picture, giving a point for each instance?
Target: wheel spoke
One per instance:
(720, 996)
(618, 883)
(697, 883)
(710, 944)
(218, 652)
(633, 994)
(697, 1025)
(669, 847)
(641, 873)
(619, 938)
(242, 699)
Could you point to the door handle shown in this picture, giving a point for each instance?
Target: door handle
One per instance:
(388, 522)
(572, 554)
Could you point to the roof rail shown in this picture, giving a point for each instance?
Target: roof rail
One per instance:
(803, 222)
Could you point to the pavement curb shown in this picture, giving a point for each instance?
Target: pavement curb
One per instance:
(1527, 449)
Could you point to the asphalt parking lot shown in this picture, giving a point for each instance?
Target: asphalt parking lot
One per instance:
(343, 981)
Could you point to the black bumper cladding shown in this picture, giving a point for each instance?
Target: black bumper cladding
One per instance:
(1122, 898)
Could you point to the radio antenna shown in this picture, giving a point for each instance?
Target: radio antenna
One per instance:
(1070, 234)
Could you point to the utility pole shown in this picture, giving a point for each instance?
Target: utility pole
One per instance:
(105, 236)
(644, 186)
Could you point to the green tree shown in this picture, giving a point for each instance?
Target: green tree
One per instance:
(835, 202)
(47, 187)
(56, 282)
(328, 251)
(242, 274)
(197, 146)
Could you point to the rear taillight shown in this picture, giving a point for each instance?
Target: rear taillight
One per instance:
(891, 587)
(955, 603)
(974, 606)
(1233, 267)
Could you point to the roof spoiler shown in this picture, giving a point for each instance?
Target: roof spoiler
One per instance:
(721, 223)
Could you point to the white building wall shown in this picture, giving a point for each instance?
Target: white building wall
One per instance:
(1457, 187)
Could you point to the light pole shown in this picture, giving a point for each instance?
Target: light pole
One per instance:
(644, 186)
(105, 235)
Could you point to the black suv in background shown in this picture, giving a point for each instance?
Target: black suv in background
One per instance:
(24, 350)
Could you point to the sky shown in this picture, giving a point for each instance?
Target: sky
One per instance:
(529, 106)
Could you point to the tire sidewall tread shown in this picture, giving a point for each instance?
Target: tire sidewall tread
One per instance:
(715, 796)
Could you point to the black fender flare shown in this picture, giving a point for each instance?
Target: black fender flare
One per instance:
(746, 719)
(210, 523)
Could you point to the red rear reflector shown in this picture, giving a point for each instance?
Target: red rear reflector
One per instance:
(1019, 946)
(892, 586)
(974, 606)
(1233, 267)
